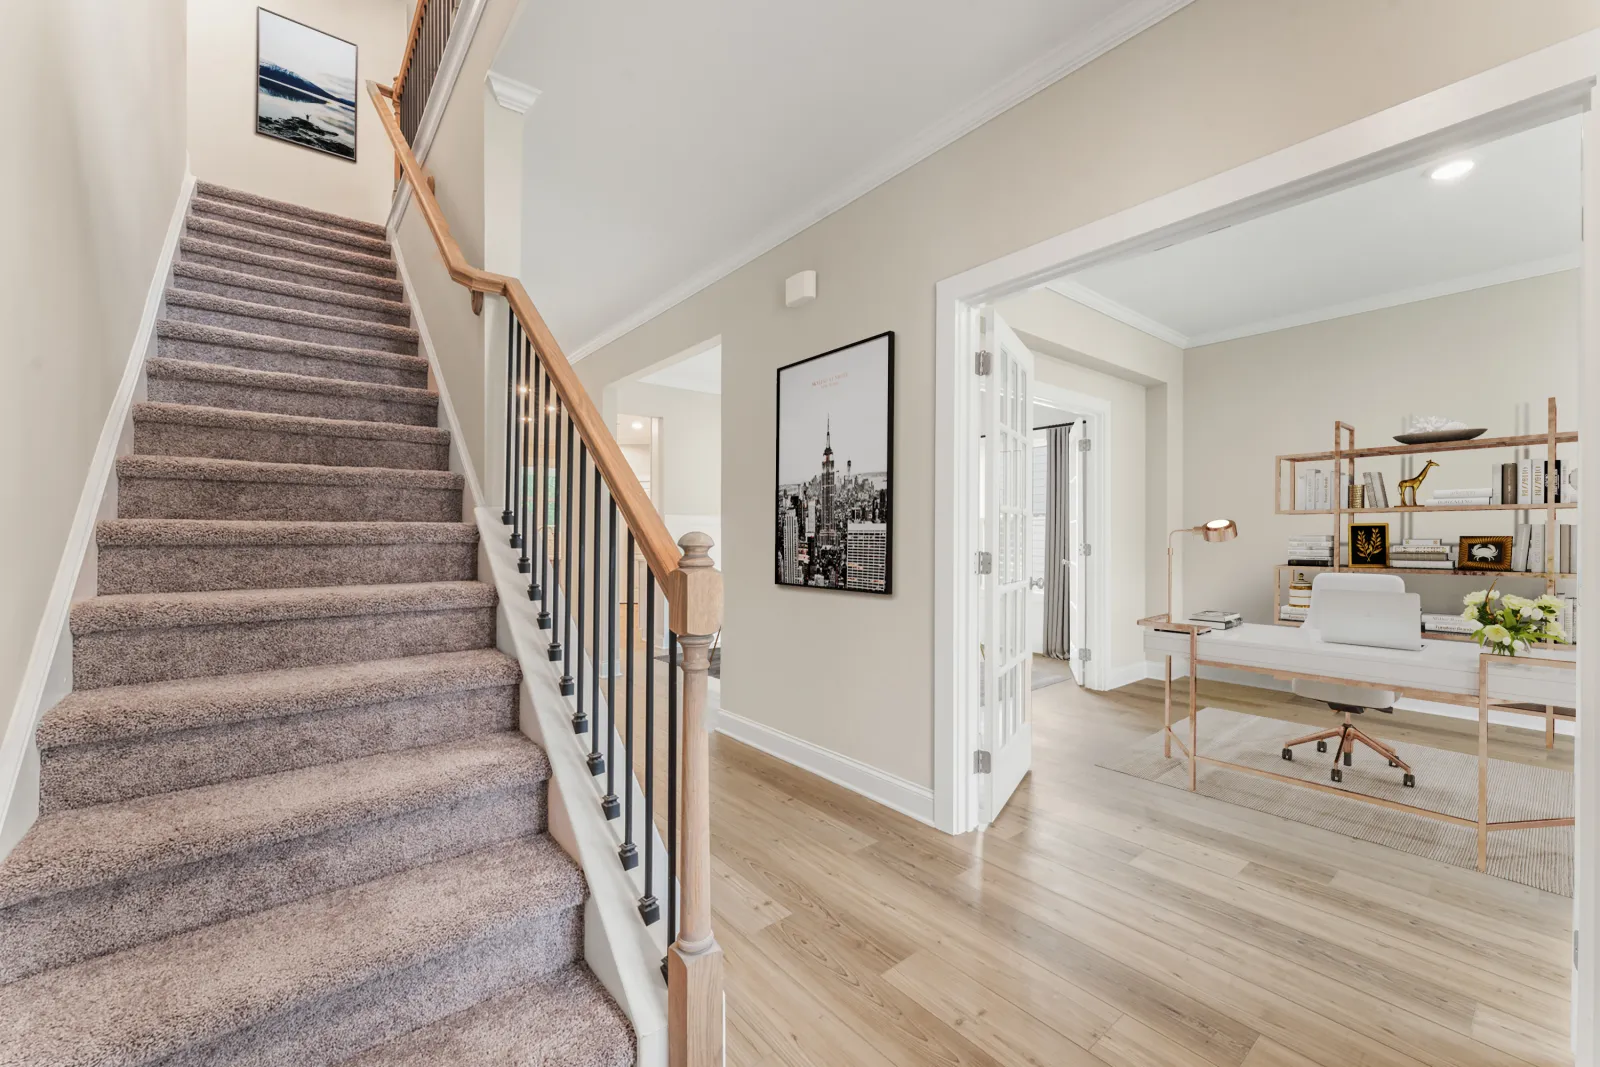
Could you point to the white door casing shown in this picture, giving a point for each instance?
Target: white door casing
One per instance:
(1077, 537)
(1006, 518)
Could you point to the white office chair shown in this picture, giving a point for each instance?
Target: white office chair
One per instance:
(1348, 699)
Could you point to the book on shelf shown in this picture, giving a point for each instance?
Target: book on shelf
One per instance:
(1289, 613)
(1457, 497)
(1424, 564)
(1519, 546)
(1504, 477)
(1564, 558)
(1440, 623)
(1218, 618)
(1536, 548)
(1536, 472)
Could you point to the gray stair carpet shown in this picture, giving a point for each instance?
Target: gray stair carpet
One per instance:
(287, 817)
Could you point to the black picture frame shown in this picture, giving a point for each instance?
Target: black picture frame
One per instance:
(834, 572)
(1369, 545)
(1467, 560)
(355, 102)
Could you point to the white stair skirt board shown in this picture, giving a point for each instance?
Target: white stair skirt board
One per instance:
(48, 674)
(890, 790)
(1154, 668)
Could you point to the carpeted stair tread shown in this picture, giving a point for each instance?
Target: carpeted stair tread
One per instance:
(151, 533)
(146, 1003)
(212, 191)
(144, 611)
(234, 305)
(91, 716)
(290, 294)
(220, 232)
(562, 1020)
(221, 374)
(233, 418)
(200, 333)
(201, 468)
(298, 228)
(108, 842)
(336, 277)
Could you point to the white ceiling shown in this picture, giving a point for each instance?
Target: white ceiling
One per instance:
(702, 373)
(1390, 241)
(673, 142)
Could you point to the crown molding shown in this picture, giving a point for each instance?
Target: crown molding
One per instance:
(1096, 301)
(1128, 20)
(510, 93)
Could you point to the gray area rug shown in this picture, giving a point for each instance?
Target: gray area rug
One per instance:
(1446, 783)
(1048, 671)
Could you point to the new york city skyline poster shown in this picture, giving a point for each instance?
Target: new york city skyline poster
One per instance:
(833, 515)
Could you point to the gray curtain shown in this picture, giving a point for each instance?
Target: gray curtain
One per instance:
(1057, 550)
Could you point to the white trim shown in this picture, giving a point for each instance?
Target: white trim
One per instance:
(1128, 673)
(48, 674)
(890, 790)
(510, 93)
(1552, 83)
(462, 32)
(1082, 48)
(460, 460)
(1092, 298)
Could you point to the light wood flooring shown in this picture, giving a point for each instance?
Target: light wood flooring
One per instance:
(1104, 921)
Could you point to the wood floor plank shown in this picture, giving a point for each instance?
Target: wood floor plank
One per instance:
(1131, 1043)
(1268, 1053)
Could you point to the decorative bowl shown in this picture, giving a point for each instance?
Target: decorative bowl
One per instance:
(1433, 437)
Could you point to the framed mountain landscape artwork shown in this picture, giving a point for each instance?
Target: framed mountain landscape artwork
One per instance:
(305, 86)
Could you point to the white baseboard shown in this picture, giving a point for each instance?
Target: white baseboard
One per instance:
(890, 790)
(1128, 673)
(47, 677)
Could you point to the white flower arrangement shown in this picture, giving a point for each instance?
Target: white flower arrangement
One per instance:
(1508, 624)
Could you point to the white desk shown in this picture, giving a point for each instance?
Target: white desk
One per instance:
(1451, 672)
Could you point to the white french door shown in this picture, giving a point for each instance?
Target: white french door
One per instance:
(1006, 521)
(1077, 537)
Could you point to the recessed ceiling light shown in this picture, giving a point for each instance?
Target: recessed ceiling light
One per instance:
(1449, 172)
(637, 425)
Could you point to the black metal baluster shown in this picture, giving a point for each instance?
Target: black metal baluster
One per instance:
(567, 683)
(649, 908)
(672, 790)
(580, 721)
(517, 430)
(554, 594)
(525, 392)
(608, 762)
(511, 401)
(628, 853)
(594, 610)
(538, 391)
(548, 410)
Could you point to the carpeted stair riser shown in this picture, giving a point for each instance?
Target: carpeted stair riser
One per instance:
(153, 655)
(207, 192)
(277, 268)
(563, 1020)
(242, 498)
(179, 382)
(200, 278)
(215, 344)
(179, 430)
(292, 324)
(281, 225)
(196, 568)
(267, 244)
(63, 929)
(76, 776)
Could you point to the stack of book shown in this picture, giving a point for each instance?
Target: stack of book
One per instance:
(1530, 481)
(1311, 550)
(1529, 550)
(1439, 623)
(1377, 493)
(1568, 615)
(1423, 553)
(1314, 489)
(1291, 613)
(1218, 619)
(1459, 497)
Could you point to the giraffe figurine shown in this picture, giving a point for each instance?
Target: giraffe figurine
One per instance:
(1414, 483)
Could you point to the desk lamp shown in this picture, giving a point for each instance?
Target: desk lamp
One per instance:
(1215, 530)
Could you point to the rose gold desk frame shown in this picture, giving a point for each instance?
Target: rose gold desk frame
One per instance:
(1481, 701)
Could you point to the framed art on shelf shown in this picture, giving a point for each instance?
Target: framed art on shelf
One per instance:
(1485, 554)
(1369, 544)
(305, 86)
(833, 513)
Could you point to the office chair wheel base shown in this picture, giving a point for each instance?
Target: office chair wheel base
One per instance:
(1288, 754)
(1322, 746)
(1338, 775)
(1347, 759)
(1392, 763)
(1409, 781)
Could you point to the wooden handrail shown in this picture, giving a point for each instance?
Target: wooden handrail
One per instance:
(655, 542)
(411, 48)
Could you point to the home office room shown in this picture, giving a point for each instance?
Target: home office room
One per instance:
(1373, 556)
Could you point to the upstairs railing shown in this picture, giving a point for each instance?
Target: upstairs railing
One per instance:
(566, 487)
(430, 32)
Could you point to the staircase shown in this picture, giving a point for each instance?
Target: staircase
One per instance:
(287, 818)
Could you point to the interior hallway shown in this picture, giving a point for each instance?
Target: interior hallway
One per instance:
(1105, 920)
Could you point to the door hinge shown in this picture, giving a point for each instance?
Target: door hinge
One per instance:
(985, 563)
(982, 762)
(1088, 550)
(982, 362)
(1083, 445)
(1084, 655)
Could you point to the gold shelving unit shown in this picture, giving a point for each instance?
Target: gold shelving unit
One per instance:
(1345, 453)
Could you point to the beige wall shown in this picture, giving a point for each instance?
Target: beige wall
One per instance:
(691, 444)
(94, 165)
(1489, 357)
(1216, 85)
(223, 144)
